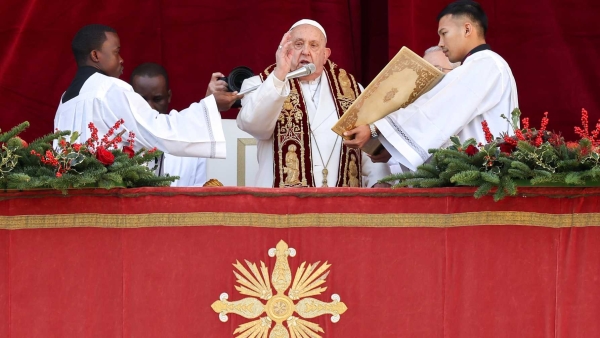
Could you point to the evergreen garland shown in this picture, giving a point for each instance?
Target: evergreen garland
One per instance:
(67, 164)
(531, 156)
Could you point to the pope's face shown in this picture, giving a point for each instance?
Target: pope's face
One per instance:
(309, 46)
(453, 42)
(438, 60)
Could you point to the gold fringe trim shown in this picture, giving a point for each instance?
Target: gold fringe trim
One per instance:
(300, 220)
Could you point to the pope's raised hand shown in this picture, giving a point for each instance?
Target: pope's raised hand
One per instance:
(283, 57)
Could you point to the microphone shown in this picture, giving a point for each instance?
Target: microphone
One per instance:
(300, 72)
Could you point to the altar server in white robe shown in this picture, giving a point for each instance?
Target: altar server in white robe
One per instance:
(434, 55)
(292, 119)
(151, 81)
(482, 88)
(97, 95)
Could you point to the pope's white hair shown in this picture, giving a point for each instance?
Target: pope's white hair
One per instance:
(439, 49)
(433, 49)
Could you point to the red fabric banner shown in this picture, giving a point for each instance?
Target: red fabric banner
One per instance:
(423, 263)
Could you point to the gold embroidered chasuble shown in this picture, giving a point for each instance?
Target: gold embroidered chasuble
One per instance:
(292, 157)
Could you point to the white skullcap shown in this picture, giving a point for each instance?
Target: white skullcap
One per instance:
(312, 23)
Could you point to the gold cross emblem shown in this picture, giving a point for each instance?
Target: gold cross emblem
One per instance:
(280, 308)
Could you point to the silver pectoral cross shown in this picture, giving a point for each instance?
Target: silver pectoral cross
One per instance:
(325, 172)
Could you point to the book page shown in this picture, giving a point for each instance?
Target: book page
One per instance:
(404, 79)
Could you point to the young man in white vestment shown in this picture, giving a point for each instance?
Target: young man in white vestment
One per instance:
(97, 95)
(151, 81)
(482, 88)
(434, 55)
(292, 119)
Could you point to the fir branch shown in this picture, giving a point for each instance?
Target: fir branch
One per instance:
(490, 178)
(16, 130)
(574, 178)
(469, 177)
(483, 190)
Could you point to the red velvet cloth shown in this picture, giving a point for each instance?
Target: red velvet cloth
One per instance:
(474, 281)
(550, 46)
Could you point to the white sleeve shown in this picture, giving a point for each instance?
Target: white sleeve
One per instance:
(432, 119)
(261, 108)
(200, 177)
(194, 132)
(373, 172)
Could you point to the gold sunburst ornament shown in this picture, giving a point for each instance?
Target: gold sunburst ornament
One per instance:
(280, 307)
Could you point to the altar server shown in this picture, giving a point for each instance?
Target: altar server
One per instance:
(151, 81)
(292, 119)
(482, 88)
(97, 95)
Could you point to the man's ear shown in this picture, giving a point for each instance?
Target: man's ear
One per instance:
(468, 29)
(169, 96)
(94, 56)
(327, 53)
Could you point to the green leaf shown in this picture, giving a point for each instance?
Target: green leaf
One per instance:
(515, 115)
(78, 159)
(74, 136)
(455, 140)
(469, 142)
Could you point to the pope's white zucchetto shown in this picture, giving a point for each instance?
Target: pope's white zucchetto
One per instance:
(312, 23)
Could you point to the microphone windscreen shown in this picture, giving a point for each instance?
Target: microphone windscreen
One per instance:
(311, 67)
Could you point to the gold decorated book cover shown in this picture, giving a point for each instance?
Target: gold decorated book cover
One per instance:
(406, 77)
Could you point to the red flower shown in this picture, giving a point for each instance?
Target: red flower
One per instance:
(105, 157)
(129, 151)
(471, 150)
(507, 148)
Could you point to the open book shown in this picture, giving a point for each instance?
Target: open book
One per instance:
(406, 77)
